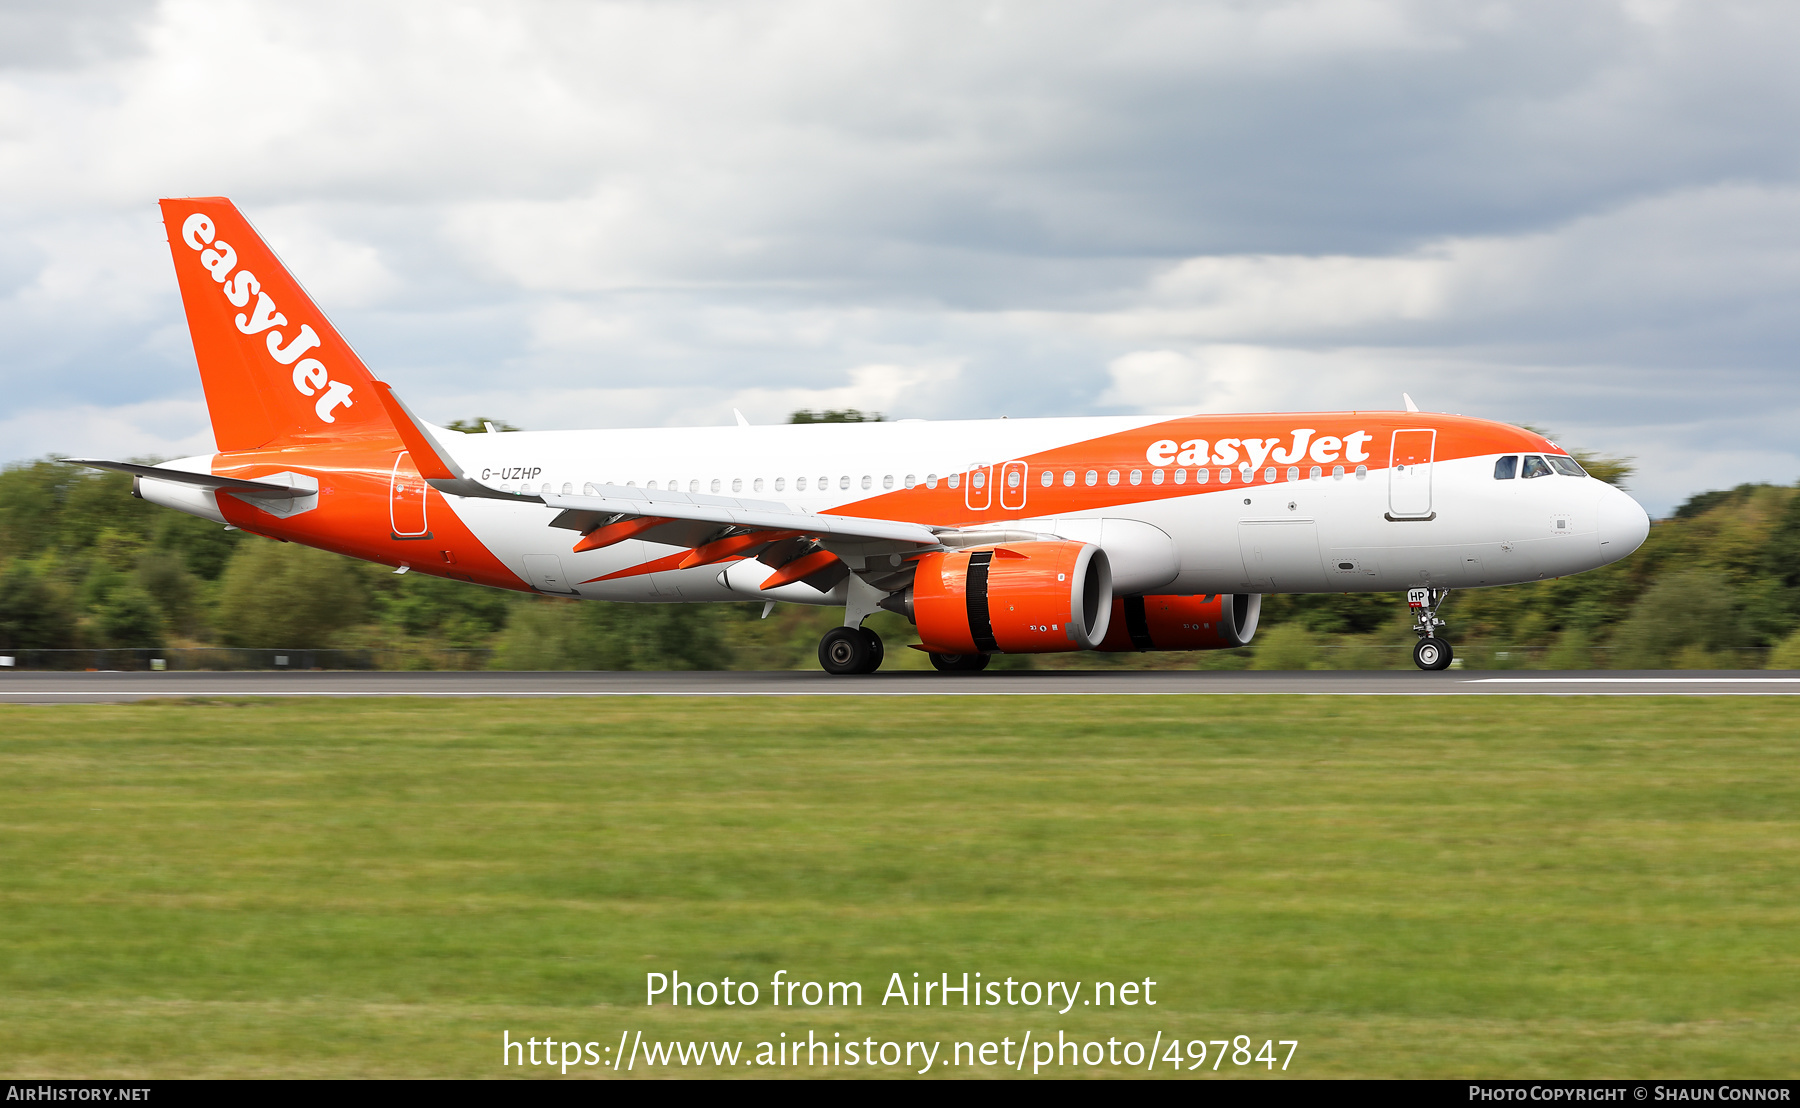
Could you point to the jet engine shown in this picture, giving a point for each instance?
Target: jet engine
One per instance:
(1019, 598)
(1215, 622)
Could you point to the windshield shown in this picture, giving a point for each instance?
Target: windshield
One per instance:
(1505, 469)
(1568, 467)
(1535, 467)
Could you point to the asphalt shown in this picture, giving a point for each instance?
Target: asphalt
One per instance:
(33, 687)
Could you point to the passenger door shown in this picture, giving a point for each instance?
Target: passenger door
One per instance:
(1409, 473)
(406, 500)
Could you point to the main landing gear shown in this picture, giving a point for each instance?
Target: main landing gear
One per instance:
(846, 650)
(1432, 651)
(959, 663)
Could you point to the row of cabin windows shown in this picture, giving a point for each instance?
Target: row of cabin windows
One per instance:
(1536, 465)
(1201, 476)
(978, 479)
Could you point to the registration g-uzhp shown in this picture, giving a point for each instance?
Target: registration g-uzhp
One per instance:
(989, 536)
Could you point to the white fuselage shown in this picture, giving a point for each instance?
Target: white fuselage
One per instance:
(1314, 534)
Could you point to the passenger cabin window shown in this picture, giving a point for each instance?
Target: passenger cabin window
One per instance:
(1505, 469)
(1535, 467)
(1566, 466)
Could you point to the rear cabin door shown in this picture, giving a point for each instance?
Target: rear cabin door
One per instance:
(1409, 473)
(406, 500)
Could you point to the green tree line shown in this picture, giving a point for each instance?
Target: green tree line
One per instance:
(85, 564)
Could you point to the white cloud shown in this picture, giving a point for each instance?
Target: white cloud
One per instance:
(157, 428)
(917, 390)
(619, 213)
(1250, 378)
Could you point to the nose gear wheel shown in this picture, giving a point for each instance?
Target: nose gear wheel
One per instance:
(1432, 651)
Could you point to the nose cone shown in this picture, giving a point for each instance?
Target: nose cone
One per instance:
(1623, 525)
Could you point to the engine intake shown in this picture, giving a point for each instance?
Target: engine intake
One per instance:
(1216, 622)
(1021, 598)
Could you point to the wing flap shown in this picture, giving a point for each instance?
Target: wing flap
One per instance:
(625, 501)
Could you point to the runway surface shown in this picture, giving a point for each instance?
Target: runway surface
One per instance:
(29, 687)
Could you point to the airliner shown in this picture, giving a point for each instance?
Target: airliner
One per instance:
(994, 536)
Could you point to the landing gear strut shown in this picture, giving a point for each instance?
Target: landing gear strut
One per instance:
(1432, 651)
(851, 650)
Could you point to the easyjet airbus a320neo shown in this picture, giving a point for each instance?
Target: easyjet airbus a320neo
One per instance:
(991, 536)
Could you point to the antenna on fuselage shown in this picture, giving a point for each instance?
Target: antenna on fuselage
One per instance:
(742, 422)
(1410, 406)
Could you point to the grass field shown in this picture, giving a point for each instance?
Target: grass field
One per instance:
(1437, 887)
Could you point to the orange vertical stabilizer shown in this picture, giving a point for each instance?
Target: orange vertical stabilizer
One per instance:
(275, 371)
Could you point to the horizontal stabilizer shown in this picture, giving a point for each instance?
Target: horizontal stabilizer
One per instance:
(256, 490)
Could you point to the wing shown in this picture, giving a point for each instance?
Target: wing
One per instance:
(610, 504)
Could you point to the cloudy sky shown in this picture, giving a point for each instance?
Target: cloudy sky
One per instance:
(1579, 215)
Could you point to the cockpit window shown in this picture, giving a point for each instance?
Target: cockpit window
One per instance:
(1505, 469)
(1535, 467)
(1567, 466)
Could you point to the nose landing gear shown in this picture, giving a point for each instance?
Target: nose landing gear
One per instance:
(1432, 651)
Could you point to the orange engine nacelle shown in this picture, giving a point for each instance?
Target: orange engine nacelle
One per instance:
(1182, 622)
(1020, 598)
